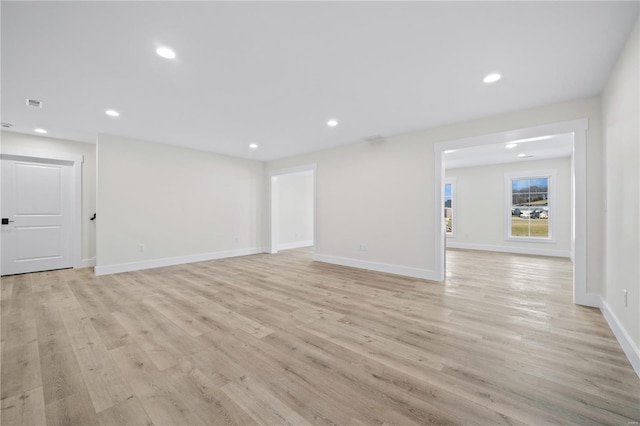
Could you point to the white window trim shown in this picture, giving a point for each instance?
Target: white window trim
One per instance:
(533, 174)
(451, 181)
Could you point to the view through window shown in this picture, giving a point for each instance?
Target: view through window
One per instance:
(530, 207)
(448, 206)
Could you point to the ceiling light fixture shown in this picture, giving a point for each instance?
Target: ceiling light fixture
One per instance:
(166, 52)
(523, 155)
(449, 151)
(253, 145)
(332, 123)
(112, 113)
(511, 145)
(492, 78)
(43, 131)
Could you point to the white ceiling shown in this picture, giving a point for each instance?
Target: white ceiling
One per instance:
(273, 73)
(552, 146)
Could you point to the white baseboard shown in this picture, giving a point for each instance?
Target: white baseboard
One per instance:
(88, 263)
(169, 261)
(588, 299)
(508, 249)
(628, 346)
(424, 274)
(295, 245)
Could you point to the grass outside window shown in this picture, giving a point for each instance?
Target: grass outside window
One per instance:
(523, 227)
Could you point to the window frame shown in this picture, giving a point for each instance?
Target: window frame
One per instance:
(450, 181)
(551, 175)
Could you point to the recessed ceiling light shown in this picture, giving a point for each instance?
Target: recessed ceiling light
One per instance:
(332, 123)
(253, 145)
(523, 155)
(449, 151)
(6, 125)
(112, 113)
(492, 78)
(165, 52)
(511, 145)
(40, 131)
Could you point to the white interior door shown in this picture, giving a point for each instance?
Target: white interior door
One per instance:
(37, 216)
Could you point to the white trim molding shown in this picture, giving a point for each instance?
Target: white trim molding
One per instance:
(170, 261)
(293, 170)
(630, 349)
(29, 154)
(406, 271)
(275, 213)
(89, 263)
(579, 215)
(508, 249)
(295, 245)
(439, 229)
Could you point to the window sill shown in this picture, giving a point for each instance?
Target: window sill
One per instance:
(548, 240)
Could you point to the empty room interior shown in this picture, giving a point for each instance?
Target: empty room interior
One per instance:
(333, 213)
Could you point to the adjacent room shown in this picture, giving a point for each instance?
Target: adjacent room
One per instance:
(514, 197)
(292, 209)
(345, 213)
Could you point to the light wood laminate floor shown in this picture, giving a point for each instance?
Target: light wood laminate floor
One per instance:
(280, 339)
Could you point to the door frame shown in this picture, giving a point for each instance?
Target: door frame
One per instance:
(578, 194)
(273, 197)
(75, 161)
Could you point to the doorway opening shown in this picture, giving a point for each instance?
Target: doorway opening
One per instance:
(573, 131)
(293, 211)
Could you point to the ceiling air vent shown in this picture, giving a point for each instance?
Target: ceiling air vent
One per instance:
(6, 125)
(34, 103)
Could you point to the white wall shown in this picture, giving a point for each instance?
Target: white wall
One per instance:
(357, 188)
(88, 151)
(480, 208)
(381, 194)
(295, 210)
(621, 119)
(182, 205)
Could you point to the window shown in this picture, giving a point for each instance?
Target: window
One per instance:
(530, 205)
(449, 205)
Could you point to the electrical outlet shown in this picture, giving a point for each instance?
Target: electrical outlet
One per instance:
(626, 298)
(363, 247)
(140, 248)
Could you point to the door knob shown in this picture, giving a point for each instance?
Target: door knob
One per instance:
(5, 221)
